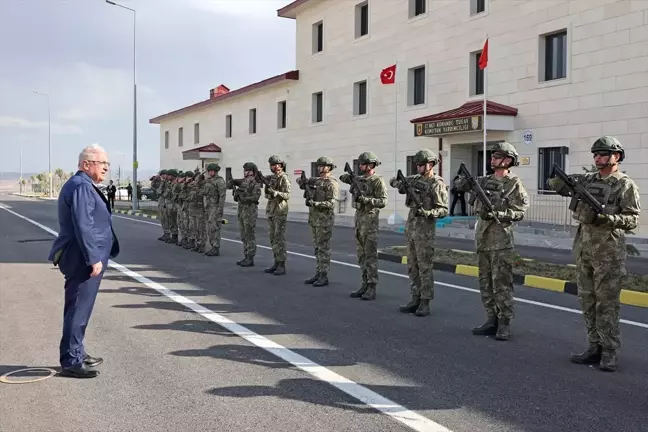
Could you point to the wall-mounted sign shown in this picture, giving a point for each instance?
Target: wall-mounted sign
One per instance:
(297, 172)
(525, 161)
(446, 127)
(528, 137)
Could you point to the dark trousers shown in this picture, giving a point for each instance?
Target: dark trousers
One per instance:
(79, 302)
(458, 197)
(111, 201)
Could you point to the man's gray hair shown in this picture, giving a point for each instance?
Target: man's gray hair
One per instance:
(90, 153)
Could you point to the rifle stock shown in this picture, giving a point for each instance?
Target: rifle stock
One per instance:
(308, 190)
(356, 187)
(577, 191)
(479, 191)
(408, 190)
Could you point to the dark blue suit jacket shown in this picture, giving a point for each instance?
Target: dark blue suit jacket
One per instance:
(85, 235)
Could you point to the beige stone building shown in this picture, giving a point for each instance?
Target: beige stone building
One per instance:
(560, 74)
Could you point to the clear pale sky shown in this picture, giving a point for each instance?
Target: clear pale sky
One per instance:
(80, 51)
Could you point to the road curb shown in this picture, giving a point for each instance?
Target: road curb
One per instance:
(631, 298)
(144, 215)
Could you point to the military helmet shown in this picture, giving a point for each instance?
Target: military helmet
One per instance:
(250, 166)
(276, 159)
(424, 156)
(368, 158)
(325, 160)
(163, 172)
(189, 174)
(508, 150)
(213, 167)
(610, 144)
(172, 172)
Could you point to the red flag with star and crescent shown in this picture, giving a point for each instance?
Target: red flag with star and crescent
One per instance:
(388, 75)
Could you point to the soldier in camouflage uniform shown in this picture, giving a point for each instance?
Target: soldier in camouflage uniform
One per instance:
(432, 193)
(277, 193)
(214, 192)
(158, 184)
(321, 194)
(247, 192)
(196, 202)
(179, 192)
(170, 207)
(185, 220)
(600, 248)
(367, 203)
(495, 246)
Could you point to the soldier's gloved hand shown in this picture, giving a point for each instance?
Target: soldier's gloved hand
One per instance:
(362, 199)
(309, 203)
(423, 212)
(271, 192)
(603, 219)
(393, 182)
(402, 190)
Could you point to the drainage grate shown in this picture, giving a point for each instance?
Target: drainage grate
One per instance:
(35, 240)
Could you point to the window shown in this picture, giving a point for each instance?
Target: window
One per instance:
(228, 173)
(416, 86)
(228, 126)
(252, 121)
(318, 107)
(360, 98)
(180, 136)
(477, 6)
(362, 19)
(476, 74)
(166, 139)
(411, 166)
(417, 7)
(196, 133)
(318, 37)
(555, 56)
(314, 170)
(547, 157)
(281, 115)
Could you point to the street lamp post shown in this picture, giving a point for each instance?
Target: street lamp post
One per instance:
(49, 141)
(135, 164)
(21, 171)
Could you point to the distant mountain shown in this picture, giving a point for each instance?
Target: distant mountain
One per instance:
(14, 175)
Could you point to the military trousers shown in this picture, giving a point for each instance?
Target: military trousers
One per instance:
(420, 260)
(247, 218)
(599, 293)
(213, 228)
(277, 233)
(496, 281)
(172, 218)
(182, 222)
(163, 216)
(322, 244)
(367, 250)
(197, 224)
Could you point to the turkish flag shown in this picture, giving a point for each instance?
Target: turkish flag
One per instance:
(388, 75)
(483, 58)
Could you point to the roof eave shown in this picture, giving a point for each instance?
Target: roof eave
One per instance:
(291, 10)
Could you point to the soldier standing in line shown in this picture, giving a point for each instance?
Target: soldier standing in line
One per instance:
(247, 192)
(197, 213)
(158, 183)
(600, 248)
(189, 241)
(179, 193)
(427, 198)
(321, 194)
(277, 193)
(368, 201)
(494, 237)
(214, 192)
(171, 208)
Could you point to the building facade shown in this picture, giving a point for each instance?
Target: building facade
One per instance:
(559, 75)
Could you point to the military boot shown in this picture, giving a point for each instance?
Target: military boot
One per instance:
(412, 305)
(592, 355)
(281, 268)
(608, 360)
(190, 244)
(503, 330)
(247, 262)
(213, 252)
(424, 308)
(200, 248)
(239, 262)
(322, 280)
(370, 294)
(360, 292)
(164, 237)
(196, 247)
(173, 239)
(489, 328)
(182, 242)
(272, 268)
(312, 279)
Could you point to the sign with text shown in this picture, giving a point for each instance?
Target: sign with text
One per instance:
(452, 126)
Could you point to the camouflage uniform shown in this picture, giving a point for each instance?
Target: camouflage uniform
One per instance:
(197, 214)
(432, 193)
(277, 193)
(367, 203)
(495, 246)
(170, 207)
(600, 252)
(247, 192)
(214, 192)
(321, 217)
(183, 209)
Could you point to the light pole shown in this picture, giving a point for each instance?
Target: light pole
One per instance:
(135, 164)
(49, 140)
(21, 172)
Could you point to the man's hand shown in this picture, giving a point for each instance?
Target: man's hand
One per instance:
(96, 269)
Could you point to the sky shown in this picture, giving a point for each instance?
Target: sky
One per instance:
(81, 53)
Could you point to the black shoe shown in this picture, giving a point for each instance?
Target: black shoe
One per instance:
(322, 281)
(272, 268)
(79, 371)
(92, 361)
(312, 279)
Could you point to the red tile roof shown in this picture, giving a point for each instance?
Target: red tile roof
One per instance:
(209, 148)
(470, 109)
(287, 11)
(292, 75)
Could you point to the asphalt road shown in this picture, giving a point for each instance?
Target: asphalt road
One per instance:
(170, 367)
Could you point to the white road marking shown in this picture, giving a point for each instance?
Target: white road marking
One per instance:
(399, 413)
(400, 275)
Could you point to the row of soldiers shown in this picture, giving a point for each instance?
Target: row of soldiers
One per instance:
(605, 203)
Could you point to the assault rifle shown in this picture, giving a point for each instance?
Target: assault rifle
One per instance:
(357, 189)
(308, 190)
(411, 194)
(261, 178)
(231, 183)
(577, 191)
(477, 189)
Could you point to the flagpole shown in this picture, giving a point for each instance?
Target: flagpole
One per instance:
(395, 136)
(485, 98)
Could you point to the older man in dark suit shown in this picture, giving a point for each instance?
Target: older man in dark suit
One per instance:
(85, 242)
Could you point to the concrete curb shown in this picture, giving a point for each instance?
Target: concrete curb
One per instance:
(631, 298)
(148, 216)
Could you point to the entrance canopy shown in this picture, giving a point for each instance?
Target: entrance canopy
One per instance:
(209, 151)
(469, 117)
